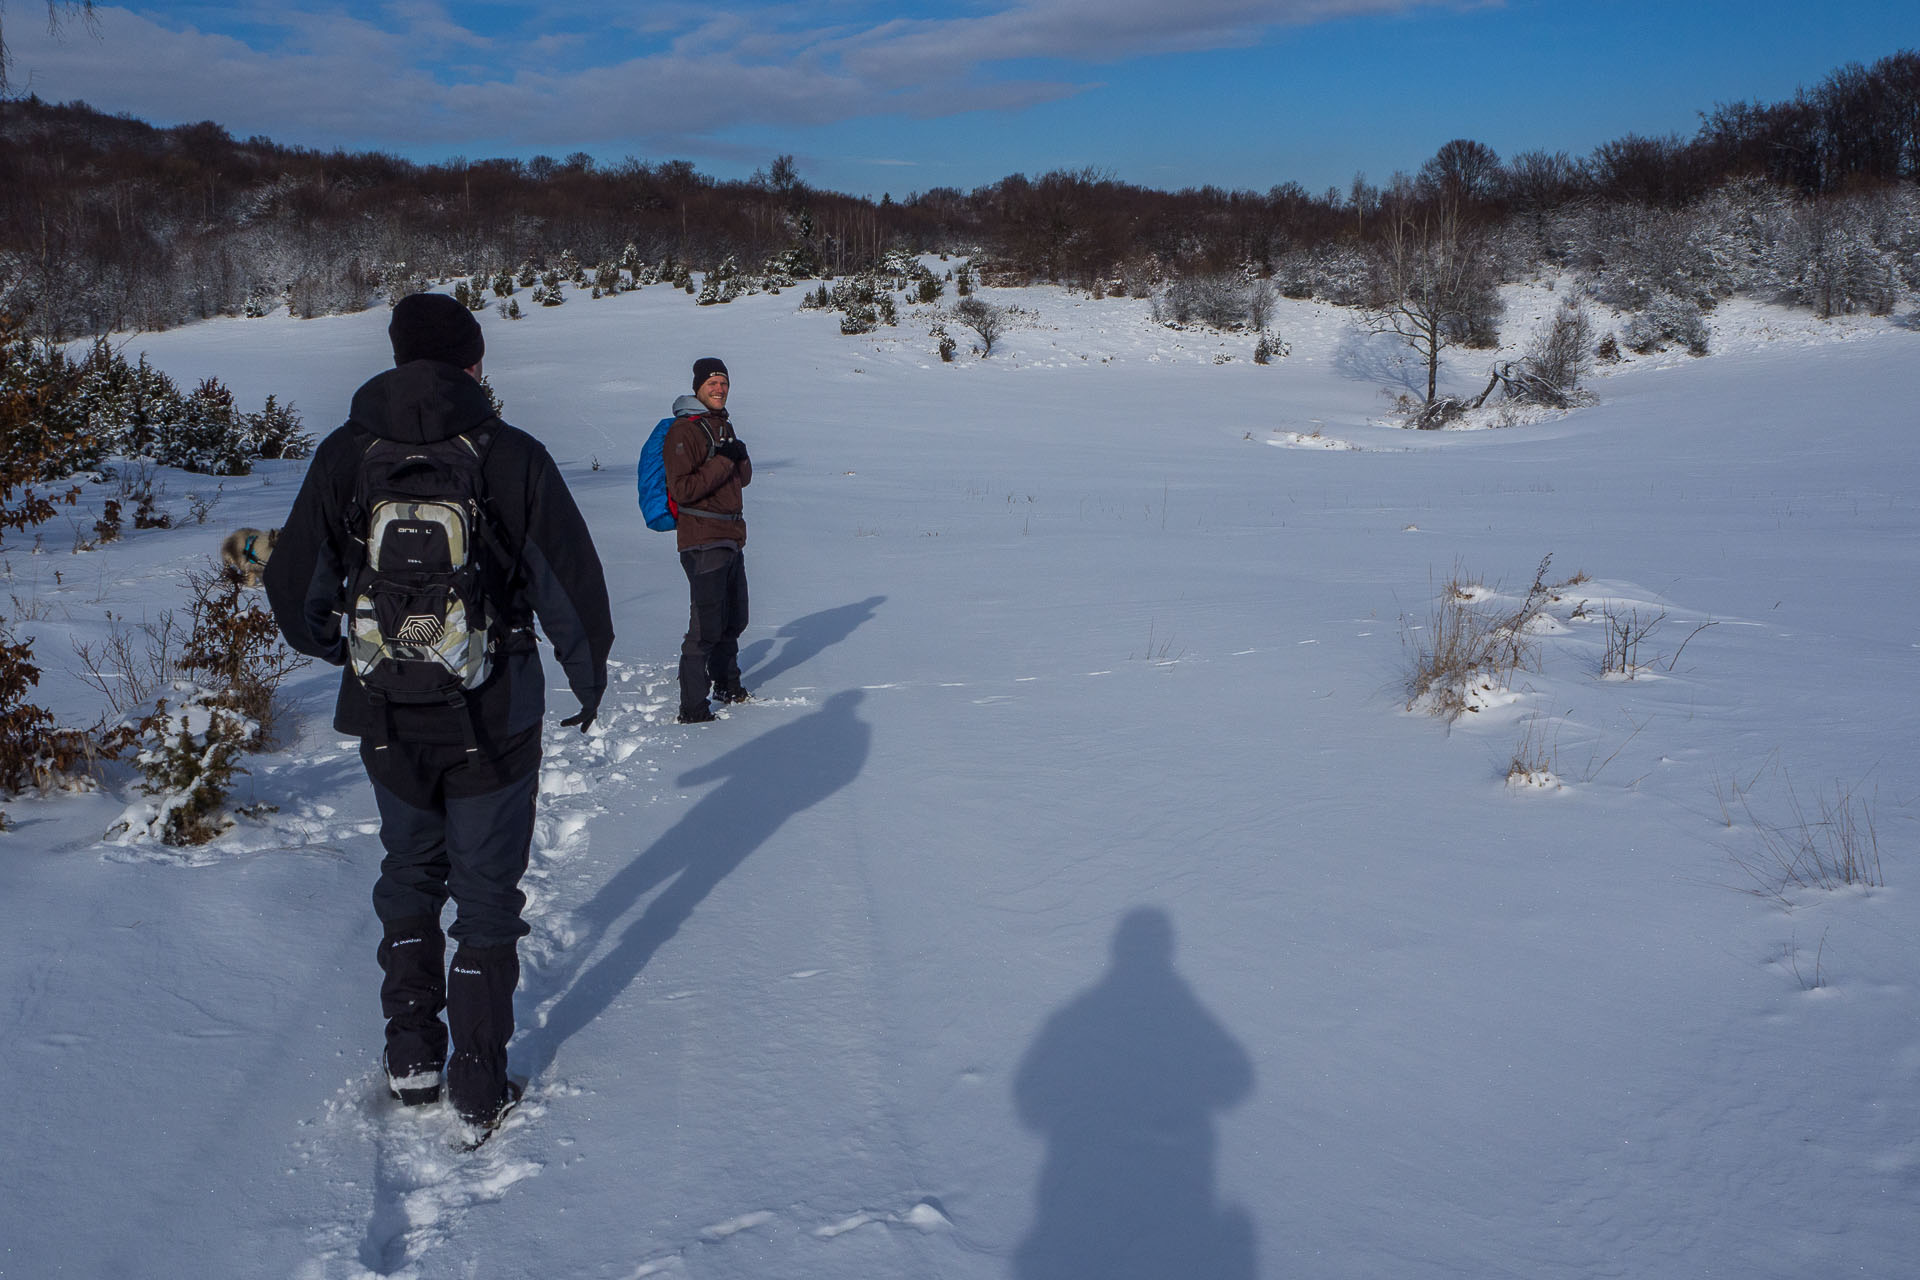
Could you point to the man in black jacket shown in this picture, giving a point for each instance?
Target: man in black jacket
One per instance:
(455, 785)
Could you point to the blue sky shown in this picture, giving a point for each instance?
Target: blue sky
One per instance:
(903, 97)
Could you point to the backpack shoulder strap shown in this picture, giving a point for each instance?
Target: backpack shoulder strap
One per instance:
(705, 430)
(482, 439)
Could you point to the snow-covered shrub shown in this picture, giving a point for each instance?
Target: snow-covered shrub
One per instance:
(399, 280)
(1558, 358)
(275, 432)
(1336, 273)
(1667, 318)
(1829, 258)
(1470, 647)
(1630, 254)
(1260, 299)
(190, 755)
(1218, 301)
(209, 435)
(863, 304)
(233, 646)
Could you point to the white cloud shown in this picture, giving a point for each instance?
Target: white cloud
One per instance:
(407, 72)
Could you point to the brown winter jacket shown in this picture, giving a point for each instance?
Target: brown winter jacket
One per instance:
(702, 482)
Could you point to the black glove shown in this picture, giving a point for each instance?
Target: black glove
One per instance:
(732, 448)
(589, 708)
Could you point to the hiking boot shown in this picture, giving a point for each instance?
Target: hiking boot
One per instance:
(694, 715)
(413, 991)
(416, 1088)
(490, 1120)
(734, 693)
(490, 1117)
(480, 1017)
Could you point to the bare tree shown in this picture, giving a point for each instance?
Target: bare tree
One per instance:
(984, 319)
(1429, 286)
(1463, 170)
(55, 8)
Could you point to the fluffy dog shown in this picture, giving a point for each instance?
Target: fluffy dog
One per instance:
(245, 552)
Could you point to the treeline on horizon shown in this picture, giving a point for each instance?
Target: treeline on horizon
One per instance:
(109, 223)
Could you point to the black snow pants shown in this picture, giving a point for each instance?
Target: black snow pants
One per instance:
(710, 655)
(460, 828)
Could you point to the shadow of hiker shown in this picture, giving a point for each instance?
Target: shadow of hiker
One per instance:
(762, 784)
(805, 638)
(1123, 1082)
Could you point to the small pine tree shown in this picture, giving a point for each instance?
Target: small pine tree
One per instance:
(208, 437)
(190, 760)
(275, 432)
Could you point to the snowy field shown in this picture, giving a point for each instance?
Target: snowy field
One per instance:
(1079, 899)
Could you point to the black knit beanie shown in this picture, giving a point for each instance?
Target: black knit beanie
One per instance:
(705, 368)
(432, 326)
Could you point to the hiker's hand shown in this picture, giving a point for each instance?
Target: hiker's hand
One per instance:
(733, 448)
(589, 708)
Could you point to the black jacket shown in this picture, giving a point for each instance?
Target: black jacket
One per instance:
(559, 581)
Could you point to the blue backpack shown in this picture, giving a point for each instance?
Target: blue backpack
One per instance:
(662, 513)
(655, 503)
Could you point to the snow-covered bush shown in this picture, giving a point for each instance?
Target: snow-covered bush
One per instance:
(190, 755)
(1559, 356)
(209, 435)
(1629, 255)
(1828, 257)
(1666, 319)
(275, 432)
(1470, 646)
(1217, 301)
(233, 646)
(1336, 273)
(863, 304)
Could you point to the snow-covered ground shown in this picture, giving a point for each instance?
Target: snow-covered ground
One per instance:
(1079, 899)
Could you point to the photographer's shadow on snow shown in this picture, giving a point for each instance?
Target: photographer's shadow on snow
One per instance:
(1123, 1083)
(762, 784)
(805, 638)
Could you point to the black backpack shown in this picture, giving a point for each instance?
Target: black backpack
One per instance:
(422, 628)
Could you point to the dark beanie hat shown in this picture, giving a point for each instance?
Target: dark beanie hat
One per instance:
(705, 367)
(432, 326)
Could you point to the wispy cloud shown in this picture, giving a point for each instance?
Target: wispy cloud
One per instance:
(409, 72)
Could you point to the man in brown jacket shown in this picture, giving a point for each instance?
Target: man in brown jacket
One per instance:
(707, 467)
